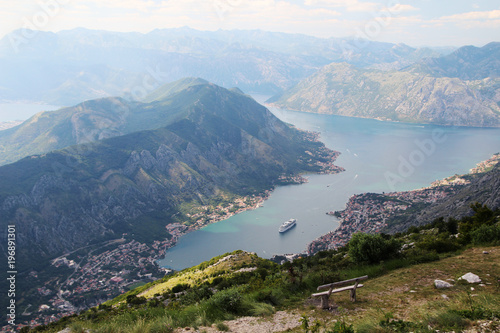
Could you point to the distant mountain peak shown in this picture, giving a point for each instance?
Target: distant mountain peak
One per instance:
(467, 63)
(171, 88)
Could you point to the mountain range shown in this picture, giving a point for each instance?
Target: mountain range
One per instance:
(137, 156)
(68, 67)
(421, 94)
(191, 146)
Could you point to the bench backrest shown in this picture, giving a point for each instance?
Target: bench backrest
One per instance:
(331, 285)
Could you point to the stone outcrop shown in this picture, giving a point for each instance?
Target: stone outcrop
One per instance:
(440, 284)
(471, 278)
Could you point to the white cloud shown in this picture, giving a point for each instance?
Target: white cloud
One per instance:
(348, 5)
(477, 15)
(141, 5)
(399, 8)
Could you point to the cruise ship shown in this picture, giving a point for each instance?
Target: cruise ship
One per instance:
(288, 225)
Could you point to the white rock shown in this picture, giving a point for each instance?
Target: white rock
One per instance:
(445, 296)
(471, 278)
(440, 284)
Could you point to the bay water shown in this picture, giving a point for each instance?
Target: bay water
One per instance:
(378, 157)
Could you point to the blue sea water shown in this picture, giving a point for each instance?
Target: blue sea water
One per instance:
(378, 157)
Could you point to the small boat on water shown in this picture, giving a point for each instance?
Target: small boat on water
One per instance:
(287, 225)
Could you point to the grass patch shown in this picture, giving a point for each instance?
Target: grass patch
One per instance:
(136, 285)
(222, 327)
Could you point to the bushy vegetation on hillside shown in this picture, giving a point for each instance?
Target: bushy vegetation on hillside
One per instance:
(241, 284)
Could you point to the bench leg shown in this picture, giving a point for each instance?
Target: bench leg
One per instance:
(353, 295)
(324, 302)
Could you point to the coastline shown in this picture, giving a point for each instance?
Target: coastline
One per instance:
(369, 212)
(207, 215)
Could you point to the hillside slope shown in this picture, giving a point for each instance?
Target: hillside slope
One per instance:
(213, 145)
(342, 89)
(402, 293)
(220, 142)
(96, 120)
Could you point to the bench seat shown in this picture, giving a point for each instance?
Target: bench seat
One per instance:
(325, 295)
(336, 290)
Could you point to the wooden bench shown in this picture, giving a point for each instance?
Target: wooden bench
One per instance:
(325, 295)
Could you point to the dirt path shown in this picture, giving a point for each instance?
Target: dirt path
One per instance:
(279, 322)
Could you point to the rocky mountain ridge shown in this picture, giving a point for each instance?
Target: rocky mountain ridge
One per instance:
(343, 89)
(466, 63)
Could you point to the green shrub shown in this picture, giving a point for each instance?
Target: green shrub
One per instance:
(267, 296)
(229, 300)
(486, 234)
(154, 303)
(134, 300)
(196, 295)
(341, 327)
(398, 325)
(180, 287)
(261, 309)
(420, 256)
(440, 243)
(161, 326)
(477, 313)
(366, 248)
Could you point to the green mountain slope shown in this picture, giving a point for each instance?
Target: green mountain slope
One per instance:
(342, 89)
(209, 145)
(95, 120)
(401, 293)
(219, 141)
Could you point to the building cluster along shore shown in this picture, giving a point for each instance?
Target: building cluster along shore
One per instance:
(114, 266)
(369, 212)
(101, 274)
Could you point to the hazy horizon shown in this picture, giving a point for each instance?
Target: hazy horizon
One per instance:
(415, 23)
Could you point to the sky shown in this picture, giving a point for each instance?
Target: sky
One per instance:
(416, 23)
